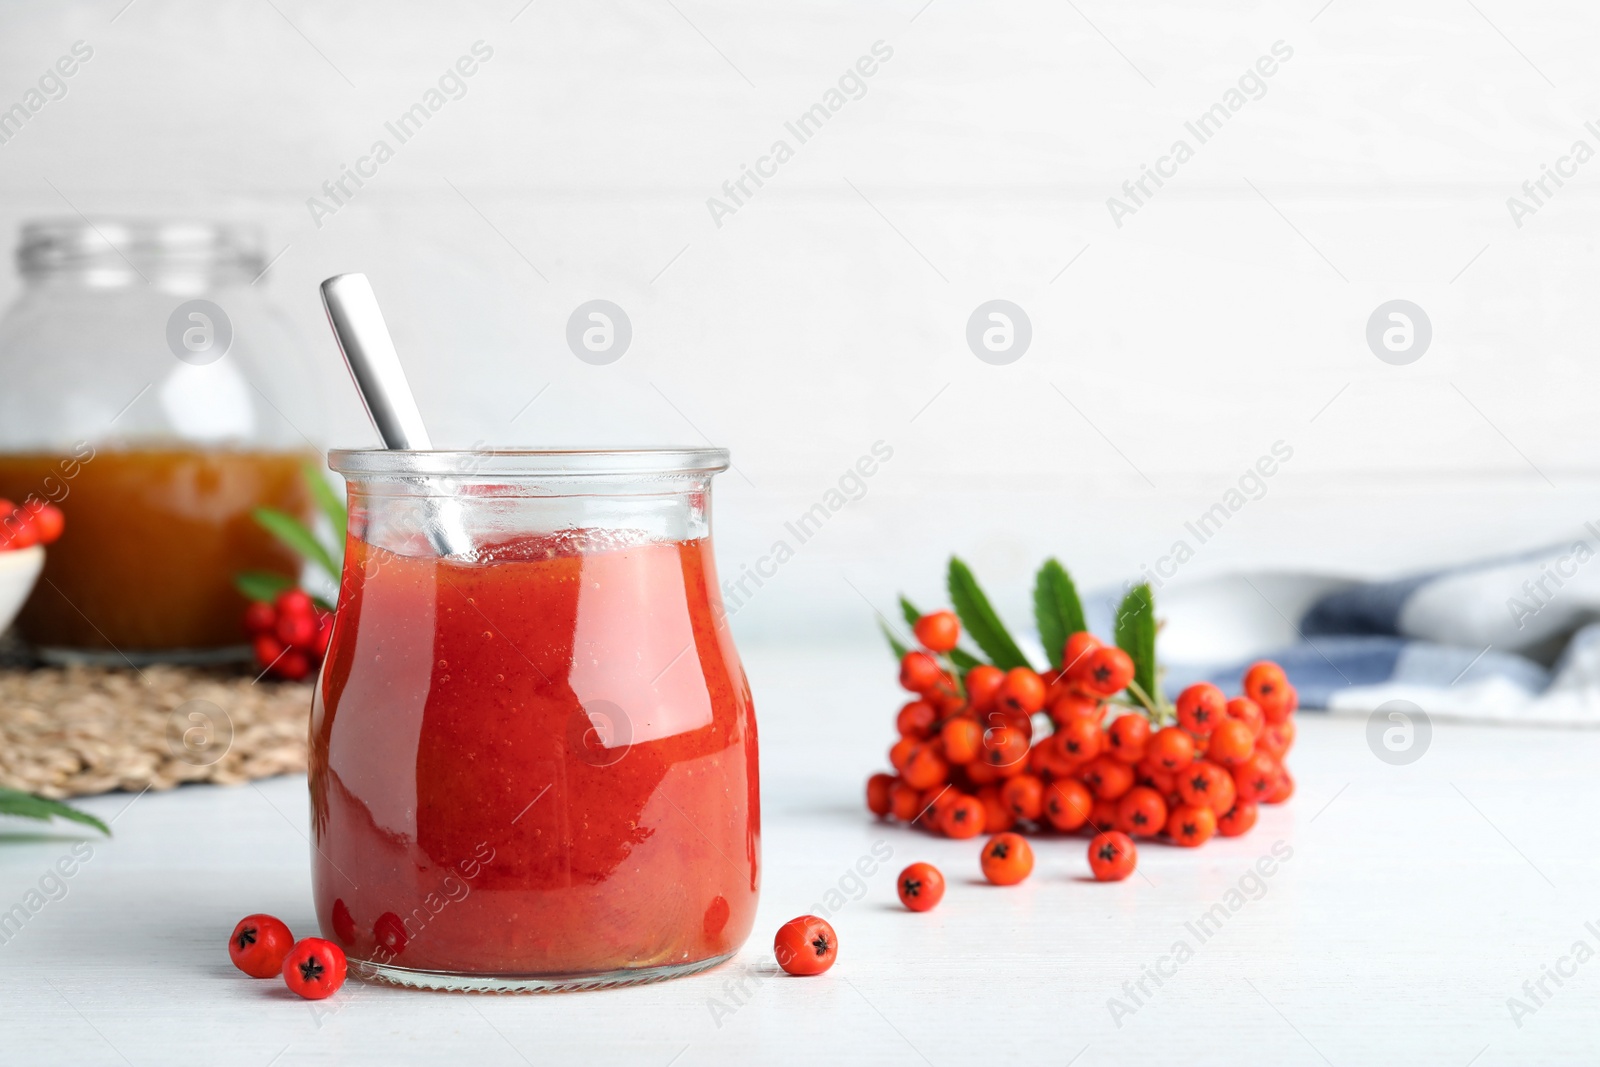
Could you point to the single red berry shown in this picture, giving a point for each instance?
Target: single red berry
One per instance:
(1205, 784)
(296, 631)
(1108, 778)
(1079, 741)
(259, 944)
(1024, 795)
(904, 801)
(295, 602)
(267, 650)
(47, 520)
(1141, 812)
(1191, 826)
(1247, 711)
(1022, 691)
(260, 618)
(962, 818)
(1283, 790)
(1109, 670)
(1170, 749)
(997, 816)
(1075, 655)
(1255, 778)
(294, 665)
(1279, 710)
(916, 720)
(878, 787)
(1112, 856)
(920, 672)
(23, 533)
(938, 631)
(1128, 736)
(1071, 705)
(1231, 743)
(1276, 739)
(1265, 682)
(1007, 859)
(962, 739)
(1067, 804)
(1239, 819)
(806, 946)
(1005, 747)
(983, 685)
(1200, 708)
(925, 768)
(921, 887)
(314, 968)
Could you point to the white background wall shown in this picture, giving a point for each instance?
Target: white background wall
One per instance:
(830, 311)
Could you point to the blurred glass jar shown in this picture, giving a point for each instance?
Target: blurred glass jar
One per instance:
(135, 374)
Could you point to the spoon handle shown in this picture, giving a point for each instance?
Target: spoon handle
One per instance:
(369, 352)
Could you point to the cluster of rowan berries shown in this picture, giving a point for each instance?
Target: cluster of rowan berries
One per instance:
(999, 750)
(289, 636)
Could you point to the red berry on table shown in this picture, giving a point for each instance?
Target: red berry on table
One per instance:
(296, 631)
(260, 618)
(1022, 691)
(1112, 856)
(259, 944)
(878, 787)
(1231, 743)
(1141, 812)
(938, 631)
(806, 946)
(314, 968)
(1075, 654)
(1128, 736)
(1200, 708)
(1239, 819)
(1007, 859)
(921, 887)
(920, 672)
(962, 818)
(1067, 804)
(1170, 749)
(1191, 825)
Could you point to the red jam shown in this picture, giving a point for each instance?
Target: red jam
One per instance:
(541, 765)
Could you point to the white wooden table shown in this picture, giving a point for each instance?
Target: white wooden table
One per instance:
(1417, 900)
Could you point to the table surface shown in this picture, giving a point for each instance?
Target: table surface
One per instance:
(1406, 907)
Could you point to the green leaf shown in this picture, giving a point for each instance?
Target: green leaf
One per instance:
(909, 610)
(327, 500)
(292, 532)
(1136, 635)
(1056, 608)
(980, 620)
(899, 649)
(28, 806)
(261, 585)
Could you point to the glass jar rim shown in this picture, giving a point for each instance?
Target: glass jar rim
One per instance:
(66, 245)
(530, 463)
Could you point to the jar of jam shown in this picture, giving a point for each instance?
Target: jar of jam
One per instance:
(155, 394)
(533, 748)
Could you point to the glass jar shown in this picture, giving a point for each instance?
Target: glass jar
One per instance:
(152, 392)
(533, 749)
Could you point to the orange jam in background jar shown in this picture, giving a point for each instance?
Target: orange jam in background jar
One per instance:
(533, 760)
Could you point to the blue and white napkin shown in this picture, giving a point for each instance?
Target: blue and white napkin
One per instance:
(1514, 639)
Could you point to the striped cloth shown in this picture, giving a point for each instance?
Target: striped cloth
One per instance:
(1513, 639)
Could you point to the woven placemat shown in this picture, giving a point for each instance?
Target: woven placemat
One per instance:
(76, 731)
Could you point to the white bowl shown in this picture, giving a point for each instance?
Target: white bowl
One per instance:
(19, 569)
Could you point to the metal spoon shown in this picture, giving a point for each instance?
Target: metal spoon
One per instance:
(370, 354)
